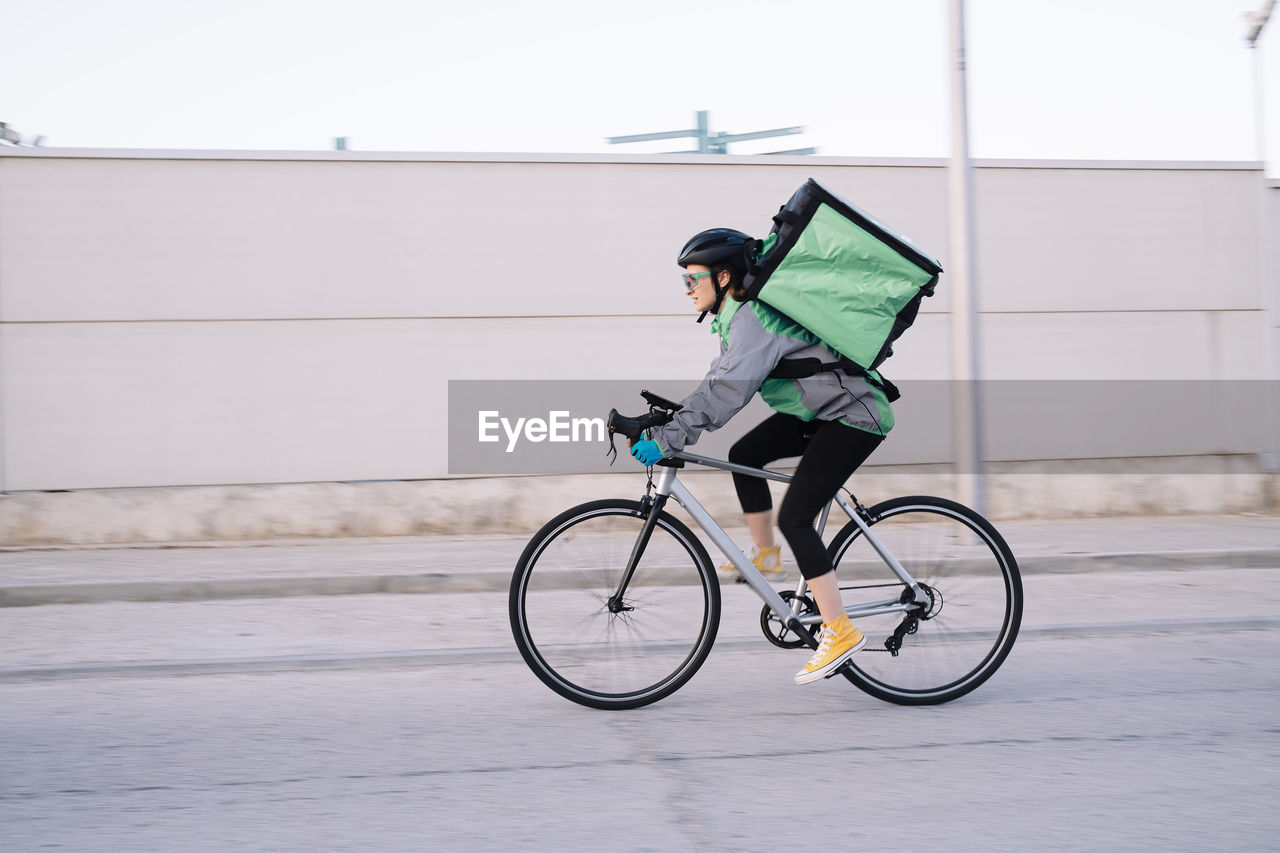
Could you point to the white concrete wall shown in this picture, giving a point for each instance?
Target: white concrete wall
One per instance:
(233, 318)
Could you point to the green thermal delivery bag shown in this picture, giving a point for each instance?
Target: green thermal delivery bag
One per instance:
(842, 274)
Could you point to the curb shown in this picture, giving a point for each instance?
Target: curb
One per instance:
(499, 581)
(281, 587)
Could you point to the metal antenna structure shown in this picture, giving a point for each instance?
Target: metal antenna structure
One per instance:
(9, 136)
(711, 142)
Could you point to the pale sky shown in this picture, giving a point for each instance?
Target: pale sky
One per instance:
(1111, 79)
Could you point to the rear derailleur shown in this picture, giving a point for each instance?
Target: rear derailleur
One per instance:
(911, 622)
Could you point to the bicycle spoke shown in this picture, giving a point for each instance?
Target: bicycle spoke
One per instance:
(977, 600)
(567, 629)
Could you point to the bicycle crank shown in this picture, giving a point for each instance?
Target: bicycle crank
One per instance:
(776, 631)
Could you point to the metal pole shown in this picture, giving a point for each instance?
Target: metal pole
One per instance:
(1270, 457)
(1259, 105)
(962, 284)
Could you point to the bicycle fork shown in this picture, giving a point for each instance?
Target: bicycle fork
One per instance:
(652, 507)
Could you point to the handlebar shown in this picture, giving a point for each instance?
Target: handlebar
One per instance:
(660, 412)
(660, 402)
(632, 427)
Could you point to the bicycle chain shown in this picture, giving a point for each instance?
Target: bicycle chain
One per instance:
(908, 626)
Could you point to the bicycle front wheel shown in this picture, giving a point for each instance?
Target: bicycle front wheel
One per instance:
(592, 647)
(975, 595)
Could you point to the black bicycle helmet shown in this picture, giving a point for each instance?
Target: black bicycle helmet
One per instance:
(718, 246)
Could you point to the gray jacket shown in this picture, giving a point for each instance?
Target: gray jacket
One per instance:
(753, 339)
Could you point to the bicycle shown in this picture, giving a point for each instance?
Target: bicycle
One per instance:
(602, 612)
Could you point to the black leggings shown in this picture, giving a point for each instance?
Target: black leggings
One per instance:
(830, 452)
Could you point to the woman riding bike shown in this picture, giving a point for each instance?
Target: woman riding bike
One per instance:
(832, 420)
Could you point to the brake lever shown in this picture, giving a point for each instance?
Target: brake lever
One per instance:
(656, 416)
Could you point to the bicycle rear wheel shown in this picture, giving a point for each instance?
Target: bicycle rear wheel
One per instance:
(972, 579)
(646, 646)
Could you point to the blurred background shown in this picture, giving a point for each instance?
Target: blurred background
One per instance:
(262, 262)
(245, 247)
(1133, 79)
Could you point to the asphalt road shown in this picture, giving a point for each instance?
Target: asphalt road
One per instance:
(1137, 735)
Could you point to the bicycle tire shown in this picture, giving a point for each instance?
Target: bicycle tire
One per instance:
(977, 600)
(563, 626)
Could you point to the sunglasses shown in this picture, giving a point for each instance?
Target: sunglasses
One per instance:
(690, 279)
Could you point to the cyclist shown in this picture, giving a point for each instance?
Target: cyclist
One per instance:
(832, 420)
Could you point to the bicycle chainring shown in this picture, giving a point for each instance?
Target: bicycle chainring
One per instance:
(779, 634)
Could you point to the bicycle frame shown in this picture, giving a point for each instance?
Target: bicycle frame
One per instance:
(668, 485)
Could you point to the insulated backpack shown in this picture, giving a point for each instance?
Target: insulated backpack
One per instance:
(845, 276)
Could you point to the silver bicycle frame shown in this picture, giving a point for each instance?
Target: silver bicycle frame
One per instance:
(668, 484)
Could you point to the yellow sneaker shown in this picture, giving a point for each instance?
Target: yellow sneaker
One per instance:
(767, 560)
(837, 641)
